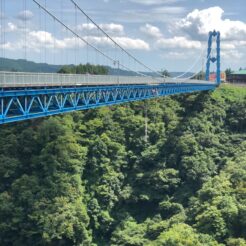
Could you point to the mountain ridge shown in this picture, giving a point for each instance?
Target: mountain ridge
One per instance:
(22, 65)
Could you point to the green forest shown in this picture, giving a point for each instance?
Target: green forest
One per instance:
(95, 178)
(84, 69)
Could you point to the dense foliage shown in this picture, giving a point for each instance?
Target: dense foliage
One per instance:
(21, 65)
(84, 69)
(92, 177)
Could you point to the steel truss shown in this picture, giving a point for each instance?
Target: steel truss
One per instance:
(29, 103)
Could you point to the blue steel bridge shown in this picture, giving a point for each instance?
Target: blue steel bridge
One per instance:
(31, 95)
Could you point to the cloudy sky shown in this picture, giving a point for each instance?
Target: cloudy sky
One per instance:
(170, 34)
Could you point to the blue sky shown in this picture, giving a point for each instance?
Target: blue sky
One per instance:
(164, 34)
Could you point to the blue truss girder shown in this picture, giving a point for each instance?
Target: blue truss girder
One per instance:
(29, 103)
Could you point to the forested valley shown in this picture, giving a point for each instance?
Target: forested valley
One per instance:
(94, 178)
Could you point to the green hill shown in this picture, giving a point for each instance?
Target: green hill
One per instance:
(94, 178)
(27, 66)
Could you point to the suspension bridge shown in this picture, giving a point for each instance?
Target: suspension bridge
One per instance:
(26, 95)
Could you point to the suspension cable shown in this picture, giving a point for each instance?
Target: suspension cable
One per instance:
(3, 38)
(54, 42)
(124, 50)
(45, 35)
(76, 44)
(81, 38)
(193, 65)
(1, 19)
(196, 73)
(25, 28)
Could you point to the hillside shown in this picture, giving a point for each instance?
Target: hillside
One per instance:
(29, 66)
(91, 178)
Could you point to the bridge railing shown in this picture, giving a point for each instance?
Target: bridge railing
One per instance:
(18, 79)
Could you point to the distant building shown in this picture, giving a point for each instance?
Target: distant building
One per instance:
(213, 77)
(237, 77)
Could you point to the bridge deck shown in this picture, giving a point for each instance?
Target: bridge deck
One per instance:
(17, 79)
(32, 95)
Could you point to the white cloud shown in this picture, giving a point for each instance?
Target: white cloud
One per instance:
(231, 54)
(25, 15)
(7, 46)
(171, 10)
(9, 27)
(151, 31)
(165, 14)
(38, 40)
(110, 28)
(129, 43)
(174, 55)
(228, 46)
(242, 43)
(200, 22)
(86, 27)
(178, 42)
(124, 42)
(41, 37)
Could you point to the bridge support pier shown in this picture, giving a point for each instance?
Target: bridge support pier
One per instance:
(213, 59)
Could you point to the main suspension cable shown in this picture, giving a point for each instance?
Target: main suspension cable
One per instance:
(108, 36)
(82, 39)
(196, 73)
(193, 65)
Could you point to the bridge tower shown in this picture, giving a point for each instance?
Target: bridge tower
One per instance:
(213, 59)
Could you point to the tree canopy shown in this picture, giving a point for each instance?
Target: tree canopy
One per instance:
(92, 177)
(84, 69)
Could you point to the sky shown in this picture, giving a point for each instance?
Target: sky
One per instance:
(163, 34)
